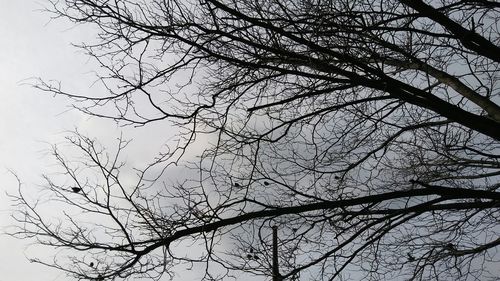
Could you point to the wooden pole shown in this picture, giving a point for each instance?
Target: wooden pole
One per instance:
(276, 272)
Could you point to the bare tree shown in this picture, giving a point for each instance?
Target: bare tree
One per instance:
(367, 131)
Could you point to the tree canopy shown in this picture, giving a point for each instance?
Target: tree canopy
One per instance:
(366, 131)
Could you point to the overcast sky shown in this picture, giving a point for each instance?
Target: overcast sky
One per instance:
(33, 46)
(30, 46)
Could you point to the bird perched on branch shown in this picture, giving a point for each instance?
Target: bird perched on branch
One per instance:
(76, 189)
